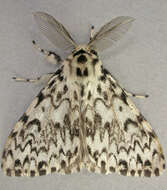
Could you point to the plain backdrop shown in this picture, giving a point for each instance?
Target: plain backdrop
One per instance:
(138, 61)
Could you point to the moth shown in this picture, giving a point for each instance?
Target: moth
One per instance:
(82, 118)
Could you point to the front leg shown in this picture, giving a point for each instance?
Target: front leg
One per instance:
(50, 56)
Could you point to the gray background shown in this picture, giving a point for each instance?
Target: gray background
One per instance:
(138, 61)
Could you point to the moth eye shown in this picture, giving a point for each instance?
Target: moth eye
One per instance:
(93, 52)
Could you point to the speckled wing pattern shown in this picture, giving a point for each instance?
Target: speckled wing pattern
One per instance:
(96, 127)
(118, 137)
(46, 138)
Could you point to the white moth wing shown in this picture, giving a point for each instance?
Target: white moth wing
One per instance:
(118, 137)
(46, 138)
(111, 32)
(54, 31)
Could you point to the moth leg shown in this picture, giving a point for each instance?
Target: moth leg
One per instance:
(92, 32)
(136, 95)
(42, 79)
(50, 56)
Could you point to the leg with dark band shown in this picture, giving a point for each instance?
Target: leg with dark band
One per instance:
(50, 56)
(136, 95)
(92, 32)
(42, 79)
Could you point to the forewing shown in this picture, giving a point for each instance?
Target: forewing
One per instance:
(46, 138)
(111, 32)
(118, 137)
(54, 31)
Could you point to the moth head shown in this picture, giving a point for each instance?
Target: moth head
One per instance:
(83, 54)
(83, 62)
